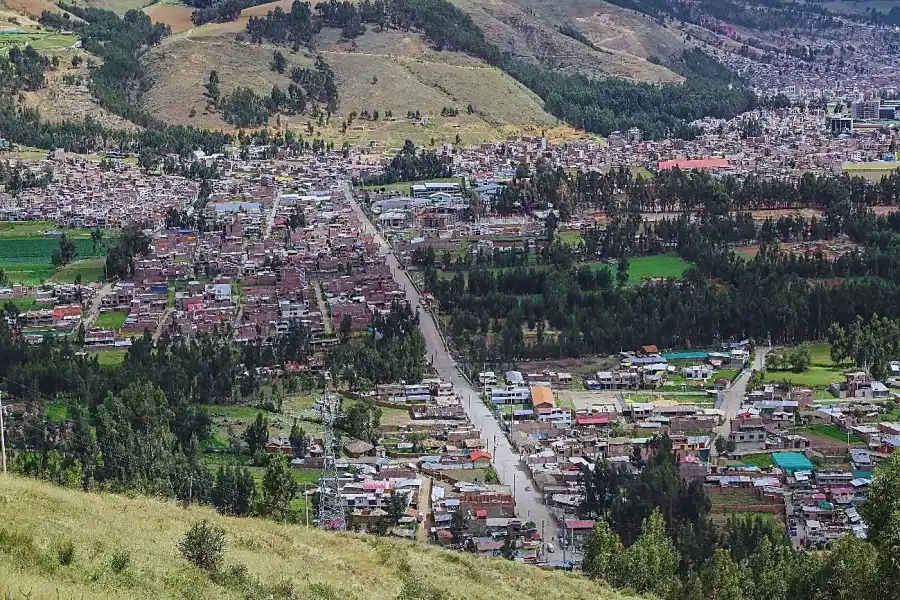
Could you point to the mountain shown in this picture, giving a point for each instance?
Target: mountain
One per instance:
(37, 519)
(429, 70)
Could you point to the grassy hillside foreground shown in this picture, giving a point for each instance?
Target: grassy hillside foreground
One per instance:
(36, 519)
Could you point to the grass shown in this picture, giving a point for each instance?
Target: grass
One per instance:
(111, 320)
(25, 254)
(832, 432)
(40, 41)
(668, 266)
(28, 229)
(111, 358)
(405, 187)
(57, 411)
(90, 270)
(569, 238)
(23, 304)
(763, 460)
(38, 516)
(822, 371)
(240, 412)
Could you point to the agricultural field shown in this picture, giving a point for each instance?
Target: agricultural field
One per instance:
(25, 254)
(822, 371)
(39, 40)
(90, 269)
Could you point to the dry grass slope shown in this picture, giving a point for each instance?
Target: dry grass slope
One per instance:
(389, 70)
(530, 29)
(316, 564)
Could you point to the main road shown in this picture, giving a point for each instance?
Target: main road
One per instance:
(734, 395)
(506, 460)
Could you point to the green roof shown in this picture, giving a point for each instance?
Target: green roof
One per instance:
(792, 461)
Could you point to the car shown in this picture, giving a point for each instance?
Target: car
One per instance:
(527, 488)
(550, 548)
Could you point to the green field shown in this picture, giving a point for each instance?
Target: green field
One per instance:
(111, 358)
(25, 254)
(669, 265)
(570, 238)
(90, 269)
(40, 41)
(832, 432)
(404, 187)
(822, 371)
(763, 460)
(110, 320)
(57, 411)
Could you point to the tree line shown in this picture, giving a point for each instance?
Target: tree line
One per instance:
(569, 309)
(22, 70)
(141, 427)
(410, 164)
(118, 83)
(653, 535)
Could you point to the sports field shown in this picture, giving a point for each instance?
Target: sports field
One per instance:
(668, 266)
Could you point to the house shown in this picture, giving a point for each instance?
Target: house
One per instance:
(280, 444)
(510, 395)
(617, 380)
(748, 434)
(514, 378)
(542, 397)
(487, 378)
(697, 372)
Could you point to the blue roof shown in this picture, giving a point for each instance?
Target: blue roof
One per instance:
(685, 355)
(792, 461)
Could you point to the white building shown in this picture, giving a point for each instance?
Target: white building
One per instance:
(511, 395)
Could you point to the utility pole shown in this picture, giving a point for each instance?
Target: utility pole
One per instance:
(2, 433)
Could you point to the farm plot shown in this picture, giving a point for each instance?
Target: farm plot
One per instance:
(28, 259)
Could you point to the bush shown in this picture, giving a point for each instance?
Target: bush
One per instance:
(202, 545)
(120, 561)
(66, 553)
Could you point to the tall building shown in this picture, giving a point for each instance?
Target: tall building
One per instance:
(865, 109)
(841, 124)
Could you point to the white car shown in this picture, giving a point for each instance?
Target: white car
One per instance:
(550, 548)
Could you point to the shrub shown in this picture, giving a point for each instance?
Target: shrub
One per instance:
(66, 553)
(120, 561)
(202, 545)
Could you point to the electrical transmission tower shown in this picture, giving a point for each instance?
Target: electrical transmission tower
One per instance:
(331, 507)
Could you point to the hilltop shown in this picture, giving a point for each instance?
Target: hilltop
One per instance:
(38, 518)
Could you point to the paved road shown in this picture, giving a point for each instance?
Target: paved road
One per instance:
(735, 394)
(88, 319)
(506, 459)
(270, 218)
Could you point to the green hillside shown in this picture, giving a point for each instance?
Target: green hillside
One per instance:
(37, 519)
